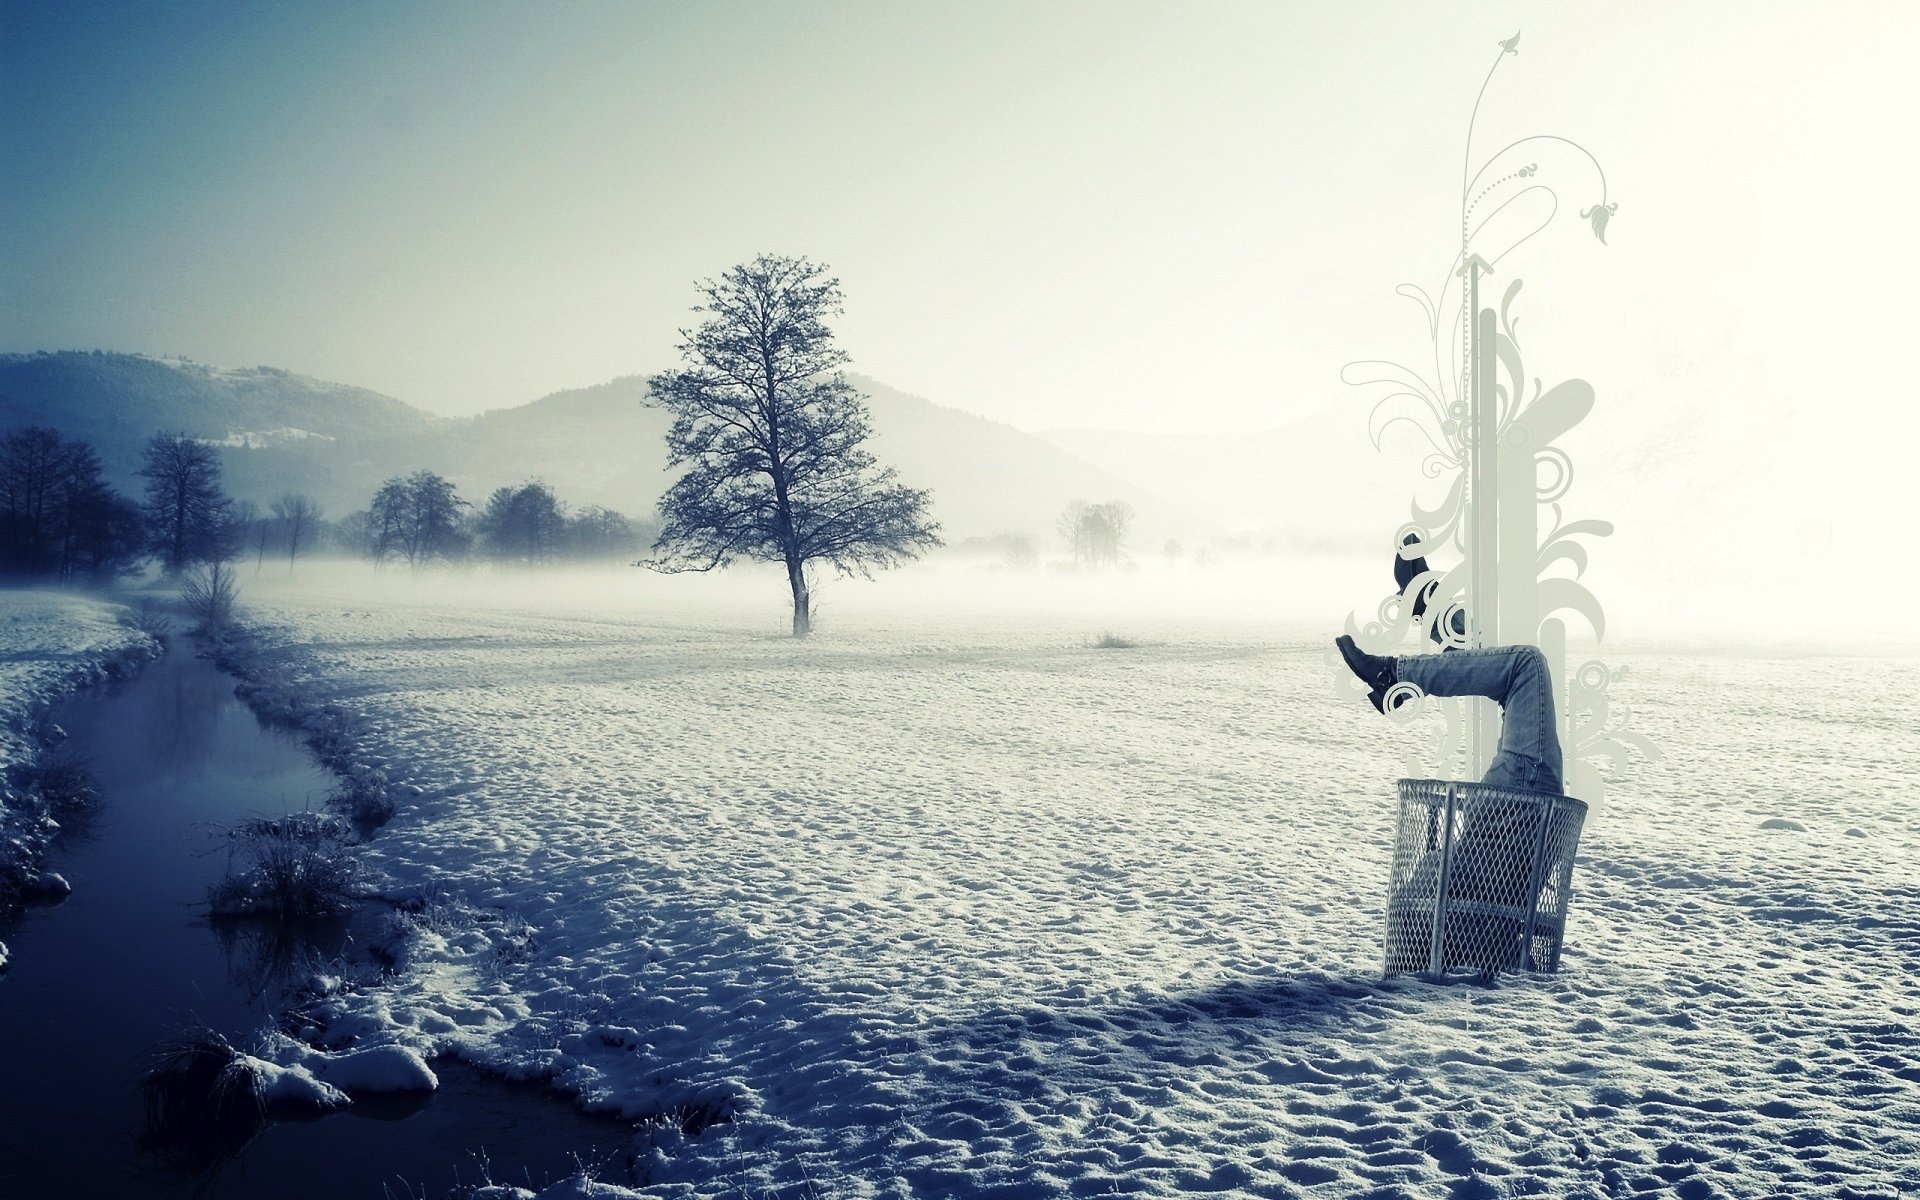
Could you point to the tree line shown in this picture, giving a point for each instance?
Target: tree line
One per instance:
(421, 519)
(59, 519)
(61, 522)
(767, 433)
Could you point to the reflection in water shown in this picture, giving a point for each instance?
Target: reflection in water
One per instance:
(182, 732)
(269, 960)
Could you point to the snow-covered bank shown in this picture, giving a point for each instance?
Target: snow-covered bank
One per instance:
(51, 645)
(949, 902)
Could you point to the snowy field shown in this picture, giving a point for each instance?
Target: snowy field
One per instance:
(947, 902)
(50, 644)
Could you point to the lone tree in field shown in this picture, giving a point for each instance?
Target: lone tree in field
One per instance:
(189, 518)
(770, 434)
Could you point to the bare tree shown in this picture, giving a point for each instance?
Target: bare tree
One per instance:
(771, 435)
(418, 518)
(297, 514)
(58, 517)
(1096, 532)
(1112, 521)
(188, 515)
(1072, 528)
(251, 530)
(387, 520)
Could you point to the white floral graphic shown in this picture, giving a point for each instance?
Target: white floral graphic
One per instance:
(1486, 502)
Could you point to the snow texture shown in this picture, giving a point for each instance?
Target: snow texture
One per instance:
(292, 1090)
(942, 902)
(375, 1069)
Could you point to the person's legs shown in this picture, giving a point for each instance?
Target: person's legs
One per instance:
(1492, 857)
(1515, 677)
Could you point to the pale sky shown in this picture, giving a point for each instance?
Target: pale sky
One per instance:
(1135, 216)
(1054, 214)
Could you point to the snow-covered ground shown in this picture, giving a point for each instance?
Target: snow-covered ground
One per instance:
(951, 902)
(50, 644)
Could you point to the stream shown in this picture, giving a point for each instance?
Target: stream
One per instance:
(102, 979)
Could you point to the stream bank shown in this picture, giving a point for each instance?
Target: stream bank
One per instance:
(131, 957)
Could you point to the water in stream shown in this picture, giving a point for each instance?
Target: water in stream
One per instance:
(103, 978)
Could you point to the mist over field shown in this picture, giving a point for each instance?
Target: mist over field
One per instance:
(847, 600)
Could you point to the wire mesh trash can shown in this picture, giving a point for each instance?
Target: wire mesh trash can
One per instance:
(1480, 878)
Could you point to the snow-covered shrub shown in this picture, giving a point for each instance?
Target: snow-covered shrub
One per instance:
(362, 797)
(1112, 641)
(299, 865)
(61, 783)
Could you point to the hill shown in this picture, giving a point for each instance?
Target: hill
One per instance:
(282, 421)
(280, 432)
(604, 445)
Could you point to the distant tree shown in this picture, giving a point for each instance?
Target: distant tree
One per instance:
(597, 533)
(1017, 552)
(351, 534)
(1172, 551)
(58, 518)
(1096, 532)
(436, 530)
(251, 531)
(107, 538)
(189, 518)
(417, 518)
(297, 514)
(1073, 529)
(525, 524)
(387, 519)
(33, 476)
(1112, 521)
(771, 435)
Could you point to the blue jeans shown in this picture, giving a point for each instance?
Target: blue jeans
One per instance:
(1515, 677)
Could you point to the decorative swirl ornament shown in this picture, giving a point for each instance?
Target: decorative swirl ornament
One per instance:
(1599, 215)
(1489, 430)
(1401, 702)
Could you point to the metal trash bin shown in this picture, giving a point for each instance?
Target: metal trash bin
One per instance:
(1480, 878)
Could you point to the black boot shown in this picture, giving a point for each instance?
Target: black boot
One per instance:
(1405, 569)
(1374, 670)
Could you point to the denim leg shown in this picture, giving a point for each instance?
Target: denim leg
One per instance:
(1515, 677)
